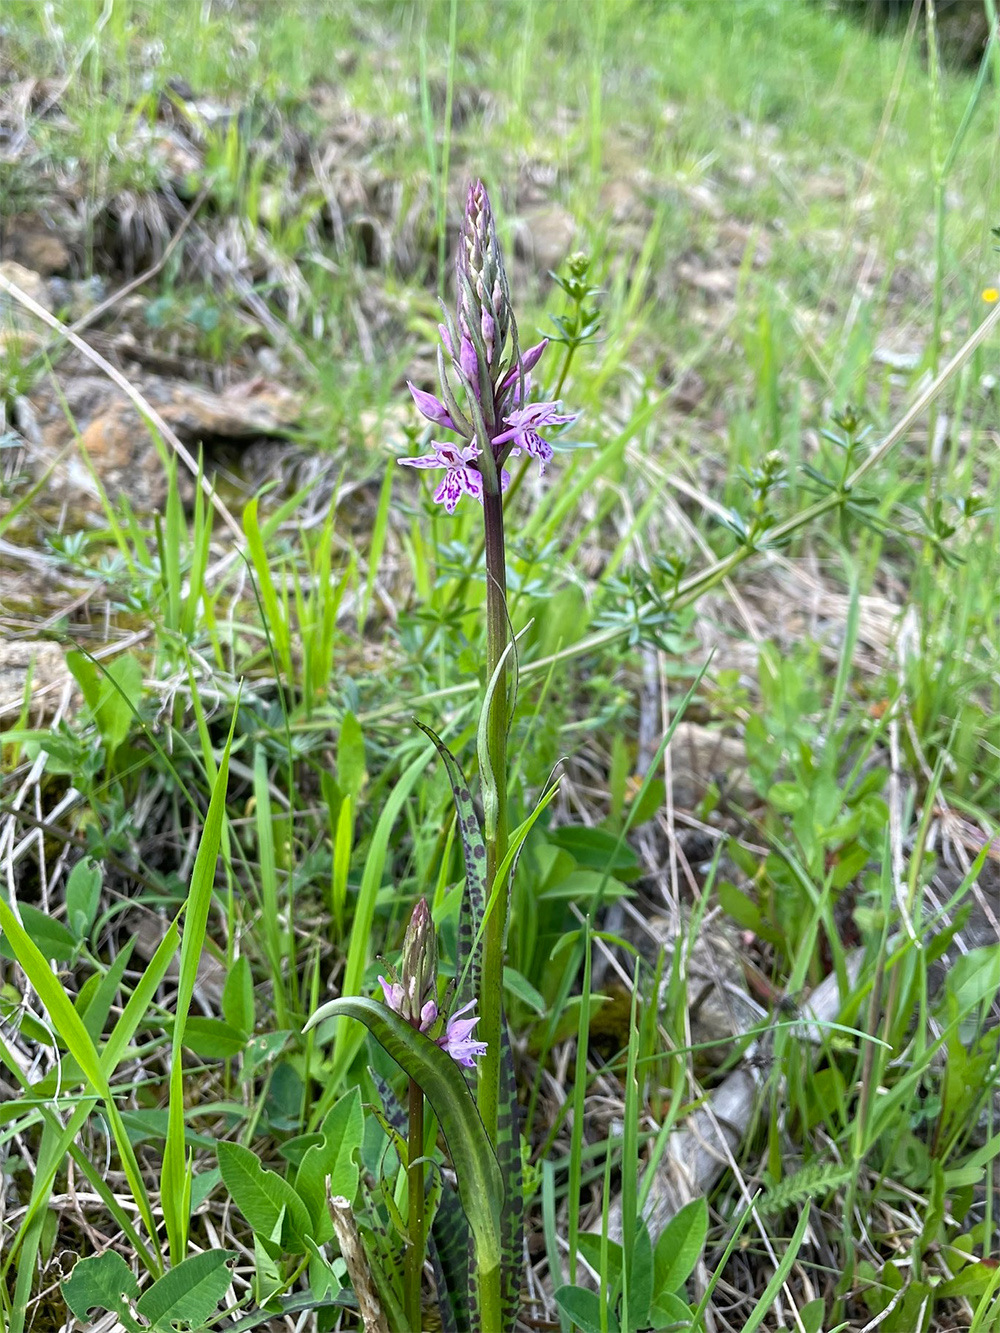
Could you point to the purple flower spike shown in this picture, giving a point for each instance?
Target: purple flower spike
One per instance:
(494, 418)
(457, 1038)
(430, 407)
(458, 477)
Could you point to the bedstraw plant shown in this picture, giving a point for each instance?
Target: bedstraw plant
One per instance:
(484, 404)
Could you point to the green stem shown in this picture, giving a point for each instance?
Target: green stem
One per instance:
(491, 1000)
(415, 1210)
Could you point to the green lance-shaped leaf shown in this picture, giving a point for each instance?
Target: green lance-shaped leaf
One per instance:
(489, 779)
(480, 1184)
(470, 918)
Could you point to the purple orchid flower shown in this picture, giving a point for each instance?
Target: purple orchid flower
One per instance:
(457, 1038)
(522, 432)
(459, 475)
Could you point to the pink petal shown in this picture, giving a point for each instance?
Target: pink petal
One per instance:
(426, 460)
(430, 407)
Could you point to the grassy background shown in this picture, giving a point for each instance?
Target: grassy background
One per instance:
(785, 216)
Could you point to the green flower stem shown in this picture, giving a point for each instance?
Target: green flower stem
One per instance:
(497, 634)
(415, 1210)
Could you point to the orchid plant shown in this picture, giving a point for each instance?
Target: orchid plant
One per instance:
(484, 404)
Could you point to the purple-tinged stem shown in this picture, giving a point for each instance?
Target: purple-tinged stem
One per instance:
(497, 634)
(415, 1209)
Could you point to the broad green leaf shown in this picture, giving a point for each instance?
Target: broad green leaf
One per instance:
(342, 1132)
(83, 894)
(787, 797)
(51, 937)
(267, 1272)
(351, 757)
(589, 1245)
(597, 849)
(237, 997)
(973, 978)
(639, 1269)
(480, 1184)
(679, 1248)
(113, 693)
(213, 1039)
(102, 1282)
(584, 1308)
(670, 1312)
(262, 1197)
(190, 1293)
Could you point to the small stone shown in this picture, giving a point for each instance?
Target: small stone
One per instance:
(29, 241)
(546, 237)
(38, 660)
(14, 318)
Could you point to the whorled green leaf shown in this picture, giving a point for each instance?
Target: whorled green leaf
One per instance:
(468, 962)
(190, 1293)
(480, 1184)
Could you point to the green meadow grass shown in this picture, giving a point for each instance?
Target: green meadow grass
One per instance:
(786, 217)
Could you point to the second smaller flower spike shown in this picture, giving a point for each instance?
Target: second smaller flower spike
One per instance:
(412, 996)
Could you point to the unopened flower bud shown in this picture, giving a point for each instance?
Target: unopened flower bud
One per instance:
(418, 968)
(483, 291)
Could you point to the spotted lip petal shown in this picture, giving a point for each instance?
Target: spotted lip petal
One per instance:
(456, 480)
